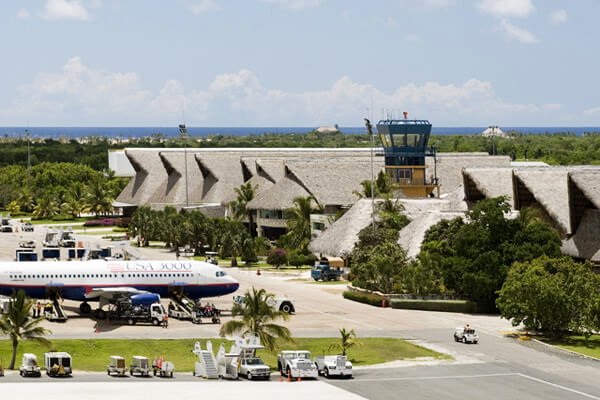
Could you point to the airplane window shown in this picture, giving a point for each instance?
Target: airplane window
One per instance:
(122, 275)
(129, 275)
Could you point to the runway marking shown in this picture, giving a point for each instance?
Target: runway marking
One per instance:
(560, 386)
(425, 378)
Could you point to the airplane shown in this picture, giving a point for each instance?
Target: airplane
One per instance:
(99, 280)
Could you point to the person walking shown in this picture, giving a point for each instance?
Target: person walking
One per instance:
(38, 309)
(165, 320)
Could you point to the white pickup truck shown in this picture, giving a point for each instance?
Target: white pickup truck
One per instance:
(466, 335)
(334, 366)
(279, 303)
(296, 364)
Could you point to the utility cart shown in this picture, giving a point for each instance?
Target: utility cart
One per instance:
(162, 368)
(117, 366)
(58, 364)
(140, 366)
(29, 366)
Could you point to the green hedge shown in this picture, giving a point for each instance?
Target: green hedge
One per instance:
(371, 299)
(462, 306)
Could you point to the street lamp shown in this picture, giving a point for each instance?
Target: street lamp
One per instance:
(370, 131)
(183, 131)
(28, 160)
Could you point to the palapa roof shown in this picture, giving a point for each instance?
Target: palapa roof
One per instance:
(173, 192)
(588, 181)
(280, 196)
(339, 238)
(412, 235)
(274, 169)
(549, 186)
(585, 243)
(262, 185)
(416, 207)
(490, 182)
(450, 166)
(222, 173)
(332, 182)
(150, 176)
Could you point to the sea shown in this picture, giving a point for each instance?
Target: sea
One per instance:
(136, 132)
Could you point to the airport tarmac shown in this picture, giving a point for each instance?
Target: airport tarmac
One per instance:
(496, 368)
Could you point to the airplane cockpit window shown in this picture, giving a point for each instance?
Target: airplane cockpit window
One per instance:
(220, 273)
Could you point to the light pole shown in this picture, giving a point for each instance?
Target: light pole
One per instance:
(28, 160)
(370, 131)
(183, 131)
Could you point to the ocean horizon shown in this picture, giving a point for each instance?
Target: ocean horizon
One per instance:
(137, 132)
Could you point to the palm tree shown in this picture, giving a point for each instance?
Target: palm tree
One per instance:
(19, 325)
(257, 317)
(46, 207)
(98, 198)
(239, 207)
(142, 224)
(298, 224)
(348, 339)
(25, 199)
(233, 237)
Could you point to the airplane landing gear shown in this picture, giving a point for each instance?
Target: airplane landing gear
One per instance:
(85, 308)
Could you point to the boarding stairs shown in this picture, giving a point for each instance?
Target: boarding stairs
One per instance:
(58, 313)
(206, 365)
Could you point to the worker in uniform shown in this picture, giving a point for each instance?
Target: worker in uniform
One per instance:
(38, 308)
(165, 320)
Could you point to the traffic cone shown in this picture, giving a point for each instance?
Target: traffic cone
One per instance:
(299, 378)
(288, 378)
(280, 378)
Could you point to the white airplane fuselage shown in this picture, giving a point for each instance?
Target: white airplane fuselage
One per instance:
(74, 279)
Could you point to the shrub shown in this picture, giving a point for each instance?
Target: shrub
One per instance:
(124, 222)
(102, 222)
(276, 257)
(372, 299)
(63, 217)
(460, 306)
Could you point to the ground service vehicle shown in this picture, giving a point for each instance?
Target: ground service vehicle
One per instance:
(279, 303)
(162, 368)
(296, 364)
(465, 335)
(137, 310)
(66, 238)
(27, 227)
(323, 272)
(116, 366)
(211, 257)
(58, 364)
(334, 366)
(253, 368)
(139, 365)
(29, 366)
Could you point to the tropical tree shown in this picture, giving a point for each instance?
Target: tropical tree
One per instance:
(233, 240)
(19, 325)
(239, 207)
(13, 207)
(257, 317)
(199, 230)
(46, 207)
(348, 340)
(25, 199)
(74, 200)
(98, 199)
(298, 223)
(142, 225)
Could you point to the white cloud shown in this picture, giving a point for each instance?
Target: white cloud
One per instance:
(520, 34)
(23, 13)
(65, 9)
(296, 4)
(204, 6)
(506, 8)
(79, 95)
(559, 17)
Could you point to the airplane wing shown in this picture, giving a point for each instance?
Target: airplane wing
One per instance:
(112, 292)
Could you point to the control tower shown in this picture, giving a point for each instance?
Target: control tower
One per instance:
(405, 148)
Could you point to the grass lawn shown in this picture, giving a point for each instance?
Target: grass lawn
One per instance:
(341, 282)
(63, 222)
(93, 355)
(579, 344)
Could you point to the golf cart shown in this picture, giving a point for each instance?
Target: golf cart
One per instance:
(211, 257)
(29, 366)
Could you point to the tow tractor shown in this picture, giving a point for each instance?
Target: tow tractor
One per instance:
(29, 366)
(334, 366)
(163, 368)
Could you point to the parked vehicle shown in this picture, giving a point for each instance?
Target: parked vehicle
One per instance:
(279, 303)
(5, 225)
(296, 364)
(29, 366)
(207, 311)
(162, 368)
(4, 303)
(117, 366)
(58, 364)
(27, 244)
(253, 368)
(465, 335)
(139, 365)
(27, 227)
(66, 238)
(334, 366)
(211, 257)
(138, 313)
(324, 272)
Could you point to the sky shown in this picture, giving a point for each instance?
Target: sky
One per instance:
(298, 62)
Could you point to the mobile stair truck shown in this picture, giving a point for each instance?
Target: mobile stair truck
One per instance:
(205, 365)
(116, 366)
(242, 360)
(334, 366)
(58, 364)
(140, 365)
(29, 366)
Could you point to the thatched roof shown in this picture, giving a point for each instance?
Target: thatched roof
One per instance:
(332, 182)
(339, 238)
(414, 208)
(549, 187)
(585, 243)
(221, 173)
(412, 235)
(273, 169)
(488, 182)
(280, 196)
(150, 176)
(262, 185)
(588, 181)
(173, 191)
(450, 166)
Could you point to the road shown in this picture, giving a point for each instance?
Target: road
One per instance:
(496, 368)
